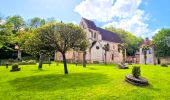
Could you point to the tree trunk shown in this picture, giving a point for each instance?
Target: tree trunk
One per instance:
(49, 60)
(145, 57)
(90, 55)
(125, 57)
(84, 59)
(41, 61)
(65, 63)
(105, 57)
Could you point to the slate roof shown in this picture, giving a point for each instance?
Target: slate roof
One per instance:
(109, 36)
(90, 24)
(106, 35)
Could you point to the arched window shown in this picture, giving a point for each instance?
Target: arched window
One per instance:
(95, 35)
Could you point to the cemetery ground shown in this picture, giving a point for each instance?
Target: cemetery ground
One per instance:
(95, 82)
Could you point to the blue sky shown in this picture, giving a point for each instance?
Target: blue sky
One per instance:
(141, 17)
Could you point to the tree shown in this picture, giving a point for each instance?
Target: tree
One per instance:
(145, 48)
(123, 47)
(16, 21)
(51, 20)
(38, 43)
(106, 49)
(36, 22)
(67, 37)
(57, 36)
(161, 41)
(5, 34)
(19, 39)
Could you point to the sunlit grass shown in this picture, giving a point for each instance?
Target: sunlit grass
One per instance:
(101, 82)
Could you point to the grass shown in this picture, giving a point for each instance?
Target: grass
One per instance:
(96, 82)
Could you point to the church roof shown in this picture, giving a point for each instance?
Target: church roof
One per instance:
(90, 24)
(109, 36)
(106, 35)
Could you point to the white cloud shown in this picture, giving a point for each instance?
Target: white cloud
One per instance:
(118, 13)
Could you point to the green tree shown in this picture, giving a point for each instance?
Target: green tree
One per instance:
(16, 21)
(161, 41)
(36, 22)
(67, 37)
(51, 20)
(5, 34)
(56, 36)
(38, 43)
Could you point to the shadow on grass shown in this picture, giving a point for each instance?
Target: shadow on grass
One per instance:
(52, 82)
(92, 68)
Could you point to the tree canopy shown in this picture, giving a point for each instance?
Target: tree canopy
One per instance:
(57, 36)
(36, 22)
(16, 21)
(161, 40)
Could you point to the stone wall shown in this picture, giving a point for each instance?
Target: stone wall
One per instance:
(165, 60)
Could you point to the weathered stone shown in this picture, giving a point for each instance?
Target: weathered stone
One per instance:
(141, 81)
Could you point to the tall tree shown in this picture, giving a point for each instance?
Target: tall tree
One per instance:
(16, 21)
(161, 40)
(51, 20)
(57, 36)
(5, 33)
(38, 43)
(68, 36)
(36, 22)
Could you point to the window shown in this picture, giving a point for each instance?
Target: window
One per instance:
(95, 35)
(91, 34)
(97, 47)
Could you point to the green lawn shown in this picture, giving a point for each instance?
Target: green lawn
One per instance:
(96, 82)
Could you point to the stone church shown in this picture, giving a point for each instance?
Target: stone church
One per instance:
(98, 38)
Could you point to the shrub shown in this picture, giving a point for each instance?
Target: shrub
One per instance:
(15, 65)
(136, 71)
